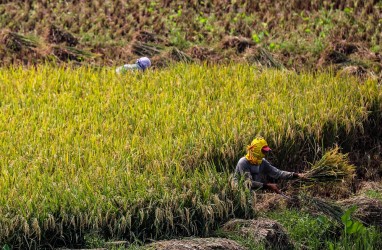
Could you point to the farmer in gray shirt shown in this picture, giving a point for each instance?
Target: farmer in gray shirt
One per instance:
(255, 168)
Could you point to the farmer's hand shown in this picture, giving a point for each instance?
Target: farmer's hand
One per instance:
(299, 175)
(273, 187)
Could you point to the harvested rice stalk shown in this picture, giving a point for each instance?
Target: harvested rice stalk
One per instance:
(332, 167)
(180, 56)
(145, 49)
(368, 209)
(321, 206)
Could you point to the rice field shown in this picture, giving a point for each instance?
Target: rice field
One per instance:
(150, 155)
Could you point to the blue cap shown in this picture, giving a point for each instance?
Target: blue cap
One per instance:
(144, 63)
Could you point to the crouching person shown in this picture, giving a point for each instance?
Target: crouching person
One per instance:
(255, 169)
(141, 64)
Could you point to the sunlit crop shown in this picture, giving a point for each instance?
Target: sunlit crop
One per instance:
(85, 149)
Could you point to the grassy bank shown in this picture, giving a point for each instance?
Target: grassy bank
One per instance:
(149, 155)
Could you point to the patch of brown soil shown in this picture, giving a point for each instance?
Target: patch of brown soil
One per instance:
(351, 59)
(354, 71)
(197, 244)
(330, 56)
(269, 202)
(261, 230)
(345, 47)
(204, 54)
(337, 52)
(365, 186)
(358, 71)
(160, 61)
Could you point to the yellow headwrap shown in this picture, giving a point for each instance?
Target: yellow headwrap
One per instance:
(254, 154)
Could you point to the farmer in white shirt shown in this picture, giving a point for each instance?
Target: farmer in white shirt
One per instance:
(141, 64)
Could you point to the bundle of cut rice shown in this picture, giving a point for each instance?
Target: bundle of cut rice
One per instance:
(321, 206)
(368, 209)
(332, 167)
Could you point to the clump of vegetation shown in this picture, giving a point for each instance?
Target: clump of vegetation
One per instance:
(298, 35)
(321, 206)
(332, 167)
(316, 231)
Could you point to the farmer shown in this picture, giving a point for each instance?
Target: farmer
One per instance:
(255, 168)
(140, 65)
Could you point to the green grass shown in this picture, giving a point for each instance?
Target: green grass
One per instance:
(318, 232)
(85, 149)
(244, 241)
(374, 194)
(304, 229)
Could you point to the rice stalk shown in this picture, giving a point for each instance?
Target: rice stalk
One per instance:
(332, 167)
(321, 206)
